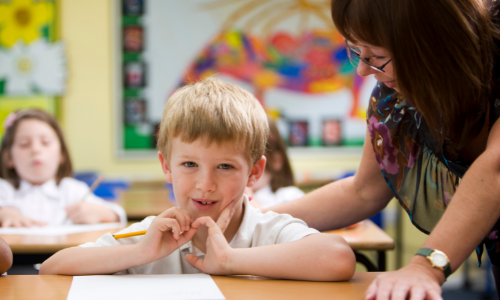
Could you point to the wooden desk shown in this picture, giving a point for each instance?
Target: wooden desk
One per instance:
(35, 244)
(56, 287)
(367, 236)
(140, 203)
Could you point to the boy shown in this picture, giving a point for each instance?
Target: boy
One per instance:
(211, 143)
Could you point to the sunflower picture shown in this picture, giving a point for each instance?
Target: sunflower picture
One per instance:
(31, 61)
(25, 20)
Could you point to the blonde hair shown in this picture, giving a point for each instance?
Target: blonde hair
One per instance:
(218, 111)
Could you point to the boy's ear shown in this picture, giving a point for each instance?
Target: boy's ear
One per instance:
(257, 171)
(165, 168)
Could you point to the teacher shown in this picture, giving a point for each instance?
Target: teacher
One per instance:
(433, 136)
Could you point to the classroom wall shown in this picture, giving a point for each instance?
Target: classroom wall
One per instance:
(87, 108)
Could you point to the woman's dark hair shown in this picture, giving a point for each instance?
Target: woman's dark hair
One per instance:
(442, 51)
(9, 173)
(276, 150)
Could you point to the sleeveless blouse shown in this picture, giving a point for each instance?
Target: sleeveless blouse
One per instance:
(419, 175)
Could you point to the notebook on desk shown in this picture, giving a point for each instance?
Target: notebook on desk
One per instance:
(151, 287)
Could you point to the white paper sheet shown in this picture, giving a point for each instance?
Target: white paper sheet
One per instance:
(150, 287)
(60, 230)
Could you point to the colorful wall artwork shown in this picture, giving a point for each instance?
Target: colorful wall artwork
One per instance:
(32, 63)
(287, 53)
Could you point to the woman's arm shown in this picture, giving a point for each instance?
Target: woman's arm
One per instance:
(5, 257)
(473, 211)
(346, 201)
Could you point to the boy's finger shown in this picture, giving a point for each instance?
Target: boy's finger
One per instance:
(170, 225)
(187, 236)
(226, 216)
(205, 221)
(186, 220)
(195, 261)
(178, 214)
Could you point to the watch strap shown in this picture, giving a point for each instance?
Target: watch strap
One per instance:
(427, 252)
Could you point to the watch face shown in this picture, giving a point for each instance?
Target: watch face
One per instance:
(439, 260)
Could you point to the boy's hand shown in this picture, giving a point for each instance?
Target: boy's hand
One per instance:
(90, 213)
(217, 260)
(164, 235)
(11, 217)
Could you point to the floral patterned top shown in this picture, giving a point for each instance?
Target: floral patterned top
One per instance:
(420, 177)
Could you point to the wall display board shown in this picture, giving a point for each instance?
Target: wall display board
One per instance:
(286, 52)
(32, 63)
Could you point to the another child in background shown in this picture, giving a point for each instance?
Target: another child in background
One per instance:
(5, 257)
(211, 144)
(276, 184)
(36, 187)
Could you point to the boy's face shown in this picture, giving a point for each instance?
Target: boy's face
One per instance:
(207, 178)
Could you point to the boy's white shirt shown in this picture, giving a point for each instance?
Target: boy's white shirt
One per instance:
(46, 202)
(256, 229)
(267, 198)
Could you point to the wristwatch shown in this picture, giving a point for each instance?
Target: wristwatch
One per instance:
(438, 260)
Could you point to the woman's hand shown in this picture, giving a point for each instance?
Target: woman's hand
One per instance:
(218, 259)
(90, 213)
(416, 281)
(12, 217)
(168, 231)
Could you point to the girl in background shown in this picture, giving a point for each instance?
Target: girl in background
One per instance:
(36, 187)
(276, 184)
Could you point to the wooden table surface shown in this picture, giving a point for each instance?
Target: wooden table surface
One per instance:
(366, 236)
(56, 287)
(36, 244)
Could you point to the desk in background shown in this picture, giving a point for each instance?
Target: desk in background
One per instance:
(56, 287)
(145, 199)
(367, 236)
(36, 244)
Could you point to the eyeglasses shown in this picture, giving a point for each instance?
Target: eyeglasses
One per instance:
(354, 54)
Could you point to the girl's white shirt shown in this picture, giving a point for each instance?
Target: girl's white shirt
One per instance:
(267, 198)
(46, 202)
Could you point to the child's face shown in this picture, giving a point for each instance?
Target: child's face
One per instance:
(36, 151)
(215, 175)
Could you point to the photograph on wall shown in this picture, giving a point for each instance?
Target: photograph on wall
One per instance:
(133, 7)
(133, 38)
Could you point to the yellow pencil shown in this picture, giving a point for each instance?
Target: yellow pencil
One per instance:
(120, 236)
